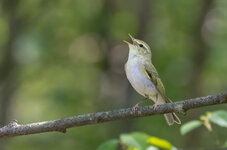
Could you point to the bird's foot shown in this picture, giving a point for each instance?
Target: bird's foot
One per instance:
(134, 108)
(155, 106)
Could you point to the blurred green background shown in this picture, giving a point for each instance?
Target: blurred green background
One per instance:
(60, 58)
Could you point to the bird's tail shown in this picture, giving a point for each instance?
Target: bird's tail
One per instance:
(171, 118)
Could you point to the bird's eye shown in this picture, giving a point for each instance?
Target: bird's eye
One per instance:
(141, 45)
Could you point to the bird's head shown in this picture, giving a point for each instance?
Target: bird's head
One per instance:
(139, 47)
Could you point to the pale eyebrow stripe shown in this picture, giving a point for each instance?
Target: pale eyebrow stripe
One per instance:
(143, 44)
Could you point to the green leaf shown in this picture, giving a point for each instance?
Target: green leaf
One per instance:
(219, 117)
(135, 140)
(225, 145)
(109, 145)
(189, 126)
(152, 148)
(160, 142)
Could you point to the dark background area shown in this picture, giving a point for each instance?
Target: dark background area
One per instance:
(60, 58)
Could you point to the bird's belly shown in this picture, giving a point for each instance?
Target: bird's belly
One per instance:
(139, 80)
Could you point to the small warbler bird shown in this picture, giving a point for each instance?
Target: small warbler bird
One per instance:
(144, 78)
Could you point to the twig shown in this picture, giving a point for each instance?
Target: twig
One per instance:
(15, 129)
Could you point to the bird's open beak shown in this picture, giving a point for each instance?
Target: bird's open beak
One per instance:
(127, 42)
(133, 40)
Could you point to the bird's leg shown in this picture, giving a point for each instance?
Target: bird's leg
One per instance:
(137, 105)
(155, 105)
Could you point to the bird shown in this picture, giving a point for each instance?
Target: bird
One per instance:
(144, 77)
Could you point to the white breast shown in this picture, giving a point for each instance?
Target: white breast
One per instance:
(138, 79)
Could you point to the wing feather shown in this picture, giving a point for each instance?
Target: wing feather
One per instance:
(152, 74)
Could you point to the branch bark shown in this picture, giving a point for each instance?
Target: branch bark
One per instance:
(15, 129)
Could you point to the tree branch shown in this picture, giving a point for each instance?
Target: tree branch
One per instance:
(15, 129)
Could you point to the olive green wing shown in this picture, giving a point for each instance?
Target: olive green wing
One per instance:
(152, 74)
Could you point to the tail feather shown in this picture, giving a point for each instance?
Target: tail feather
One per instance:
(176, 119)
(171, 118)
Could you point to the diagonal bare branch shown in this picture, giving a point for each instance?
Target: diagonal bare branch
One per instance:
(15, 129)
